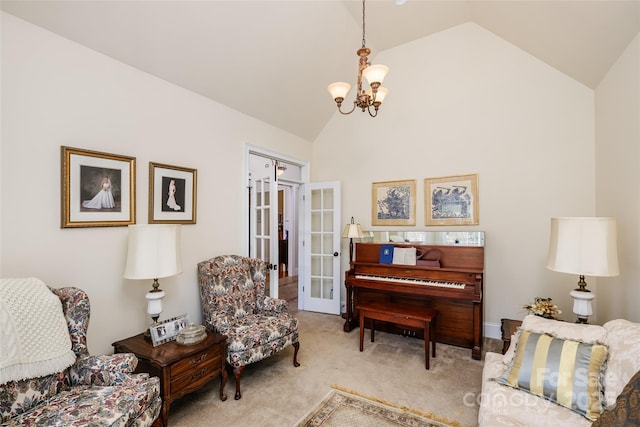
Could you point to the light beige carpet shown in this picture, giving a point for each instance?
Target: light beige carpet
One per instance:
(276, 394)
(340, 408)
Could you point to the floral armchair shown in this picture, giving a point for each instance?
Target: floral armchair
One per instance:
(95, 390)
(232, 291)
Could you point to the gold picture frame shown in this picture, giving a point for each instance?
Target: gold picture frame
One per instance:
(393, 203)
(97, 189)
(172, 194)
(451, 200)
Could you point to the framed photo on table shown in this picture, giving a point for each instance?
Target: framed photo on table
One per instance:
(172, 194)
(168, 330)
(393, 203)
(451, 200)
(98, 189)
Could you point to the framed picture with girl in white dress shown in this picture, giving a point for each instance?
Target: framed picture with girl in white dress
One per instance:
(172, 194)
(98, 189)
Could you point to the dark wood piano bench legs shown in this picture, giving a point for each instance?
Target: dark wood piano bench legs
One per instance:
(416, 317)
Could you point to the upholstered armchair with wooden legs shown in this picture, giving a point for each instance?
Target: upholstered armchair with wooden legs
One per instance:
(234, 303)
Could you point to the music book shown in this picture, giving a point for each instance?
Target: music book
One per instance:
(405, 256)
(386, 254)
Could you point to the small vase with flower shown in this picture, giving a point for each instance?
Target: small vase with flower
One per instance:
(543, 307)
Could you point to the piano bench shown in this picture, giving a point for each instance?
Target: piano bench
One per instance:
(416, 317)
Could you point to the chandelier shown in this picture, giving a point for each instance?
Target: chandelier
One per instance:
(374, 74)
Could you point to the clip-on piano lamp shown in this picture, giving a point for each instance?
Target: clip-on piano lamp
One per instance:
(350, 231)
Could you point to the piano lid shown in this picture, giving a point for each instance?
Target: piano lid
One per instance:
(445, 238)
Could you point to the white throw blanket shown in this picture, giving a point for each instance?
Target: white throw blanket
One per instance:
(34, 336)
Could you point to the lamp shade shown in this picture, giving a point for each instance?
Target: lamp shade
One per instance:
(381, 94)
(153, 251)
(375, 73)
(583, 246)
(339, 89)
(353, 231)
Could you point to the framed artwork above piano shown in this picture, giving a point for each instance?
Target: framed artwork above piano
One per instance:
(454, 288)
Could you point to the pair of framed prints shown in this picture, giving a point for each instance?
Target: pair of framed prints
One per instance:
(99, 190)
(449, 200)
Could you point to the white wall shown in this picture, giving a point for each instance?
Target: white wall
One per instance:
(618, 180)
(56, 92)
(462, 101)
(465, 101)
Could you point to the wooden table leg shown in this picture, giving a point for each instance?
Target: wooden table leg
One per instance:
(427, 329)
(434, 337)
(373, 329)
(361, 328)
(223, 381)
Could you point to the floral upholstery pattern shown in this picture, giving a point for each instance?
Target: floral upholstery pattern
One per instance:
(626, 412)
(623, 339)
(234, 303)
(95, 390)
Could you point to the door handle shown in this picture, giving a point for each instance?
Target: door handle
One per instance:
(336, 254)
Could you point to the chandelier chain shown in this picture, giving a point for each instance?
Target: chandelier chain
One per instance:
(363, 38)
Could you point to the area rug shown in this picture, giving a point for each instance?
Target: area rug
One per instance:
(340, 408)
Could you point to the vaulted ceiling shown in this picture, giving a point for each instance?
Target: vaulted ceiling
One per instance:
(272, 60)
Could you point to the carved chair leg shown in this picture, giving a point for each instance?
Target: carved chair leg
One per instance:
(296, 347)
(237, 373)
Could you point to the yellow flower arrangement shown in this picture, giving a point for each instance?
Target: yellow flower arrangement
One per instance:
(543, 307)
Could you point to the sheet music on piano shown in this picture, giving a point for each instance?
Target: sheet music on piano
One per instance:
(405, 256)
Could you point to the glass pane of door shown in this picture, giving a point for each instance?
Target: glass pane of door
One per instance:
(264, 229)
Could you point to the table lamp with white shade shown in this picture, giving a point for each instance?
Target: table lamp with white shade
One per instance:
(154, 252)
(587, 247)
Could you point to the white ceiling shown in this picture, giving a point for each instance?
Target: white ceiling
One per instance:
(272, 60)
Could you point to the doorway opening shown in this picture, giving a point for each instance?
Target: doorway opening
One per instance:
(273, 222)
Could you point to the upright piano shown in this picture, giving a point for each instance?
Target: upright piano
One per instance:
(454, 289)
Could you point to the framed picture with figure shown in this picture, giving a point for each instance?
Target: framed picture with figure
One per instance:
(172, 194)
(451, 200)
(98, 189)
(168, 330)
(393, 203)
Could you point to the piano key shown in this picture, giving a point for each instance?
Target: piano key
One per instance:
(452, 285)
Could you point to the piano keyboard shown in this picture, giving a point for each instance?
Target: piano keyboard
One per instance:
(425, 282)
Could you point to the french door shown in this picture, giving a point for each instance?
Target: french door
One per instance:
(264, 224)
(321, 280)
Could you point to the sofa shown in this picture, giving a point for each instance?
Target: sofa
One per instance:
(93, 390)
(557, 373)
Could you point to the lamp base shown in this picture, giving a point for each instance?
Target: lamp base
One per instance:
(582, 304)
(147, 332)
(154, 306)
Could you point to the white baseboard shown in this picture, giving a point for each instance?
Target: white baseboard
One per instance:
(493, 330)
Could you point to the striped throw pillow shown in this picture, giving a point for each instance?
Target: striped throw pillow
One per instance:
(567, 372)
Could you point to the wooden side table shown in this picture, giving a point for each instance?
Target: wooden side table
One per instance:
(182, 369)
(509, 327)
